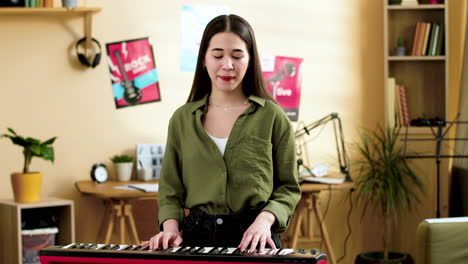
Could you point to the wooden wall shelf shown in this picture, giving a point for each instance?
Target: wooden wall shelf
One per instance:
(86, 12)
(47, 11)
(402, 7)
(416, 58)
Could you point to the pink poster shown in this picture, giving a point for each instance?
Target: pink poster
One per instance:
(133, 72)
(283, 80)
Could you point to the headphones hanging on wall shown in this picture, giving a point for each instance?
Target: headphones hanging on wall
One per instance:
(93, 62)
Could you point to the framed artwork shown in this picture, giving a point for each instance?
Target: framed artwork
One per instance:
(150, 156)
(133, 72)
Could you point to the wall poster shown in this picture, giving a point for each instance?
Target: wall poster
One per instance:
(133, 72)
(283, 77)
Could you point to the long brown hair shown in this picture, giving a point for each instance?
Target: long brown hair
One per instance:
(253, 82)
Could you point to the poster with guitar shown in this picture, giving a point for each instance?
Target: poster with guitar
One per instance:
(133, 72)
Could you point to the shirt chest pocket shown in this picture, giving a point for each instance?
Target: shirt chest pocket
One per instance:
(254, 157)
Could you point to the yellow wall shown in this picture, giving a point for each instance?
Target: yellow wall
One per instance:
(46, 92)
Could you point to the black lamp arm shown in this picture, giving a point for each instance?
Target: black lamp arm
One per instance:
(339, 140)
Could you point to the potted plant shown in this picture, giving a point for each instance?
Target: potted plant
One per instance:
(386, 182)
(26, 184)
(400, 47)
(123, 166)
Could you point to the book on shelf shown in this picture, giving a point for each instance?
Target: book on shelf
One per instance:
(432, 45)
(422, 32)
(426, 39)
(37, 3)
(404, 105)
(409, 2)
(398, 110)
(416, 39)
(441, 41)
(391, 106)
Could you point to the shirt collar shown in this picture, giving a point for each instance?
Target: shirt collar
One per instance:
(202, 103)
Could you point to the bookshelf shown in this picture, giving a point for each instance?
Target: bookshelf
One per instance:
(86, 12)
(424, 77)
(12, 214)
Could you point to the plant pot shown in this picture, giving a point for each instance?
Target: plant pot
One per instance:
(124, 171)
(376, 257)
(26, 187)
(400, 51)
(69, 3)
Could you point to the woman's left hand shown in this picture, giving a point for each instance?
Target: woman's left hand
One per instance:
(259, 233)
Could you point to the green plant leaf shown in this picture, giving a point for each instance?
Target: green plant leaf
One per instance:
(385, 179)
(49, 141)
(12, 131)
(121, 158)
(32, 147)
(47, 153)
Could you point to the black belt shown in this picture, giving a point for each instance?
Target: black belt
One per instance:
(200, 217)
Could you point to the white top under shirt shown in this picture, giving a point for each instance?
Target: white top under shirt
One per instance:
(220, 142)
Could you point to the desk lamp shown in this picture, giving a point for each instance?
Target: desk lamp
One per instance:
(339, 140)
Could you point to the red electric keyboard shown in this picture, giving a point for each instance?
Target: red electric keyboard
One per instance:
(80, 253)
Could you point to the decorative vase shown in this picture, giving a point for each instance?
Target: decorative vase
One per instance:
(124, 171)
(26, 187)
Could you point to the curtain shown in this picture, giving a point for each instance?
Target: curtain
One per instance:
(459, 189)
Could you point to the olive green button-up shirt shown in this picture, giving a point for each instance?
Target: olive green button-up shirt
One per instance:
(257, 171)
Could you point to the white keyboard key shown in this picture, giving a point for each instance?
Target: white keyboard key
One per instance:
(286, 251)
(230, 250)
(122, 247)
(69, 245)
(174, 249)
(273, 252)
(205, 250)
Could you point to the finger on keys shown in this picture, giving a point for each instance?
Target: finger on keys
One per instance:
(245, 242)
(271, 242)
(261, 248)
(155, 242)
(144, 244)
(177, 241)
(253, 244)
(165, 241)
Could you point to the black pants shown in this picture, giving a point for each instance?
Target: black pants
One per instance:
(202, 229)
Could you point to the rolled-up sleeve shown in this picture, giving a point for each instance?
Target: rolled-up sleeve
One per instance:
(171, 189)
(286, 191)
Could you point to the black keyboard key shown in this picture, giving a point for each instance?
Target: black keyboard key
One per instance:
(217, 250)
(185, 250)
(115, 247)
(137, 248)
(194, 250)
(108, 246)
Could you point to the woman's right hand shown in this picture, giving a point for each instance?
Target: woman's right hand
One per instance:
(169, 237)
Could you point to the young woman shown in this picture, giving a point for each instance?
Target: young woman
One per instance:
(230, 153)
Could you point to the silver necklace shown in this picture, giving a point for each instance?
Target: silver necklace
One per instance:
(226, 107)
